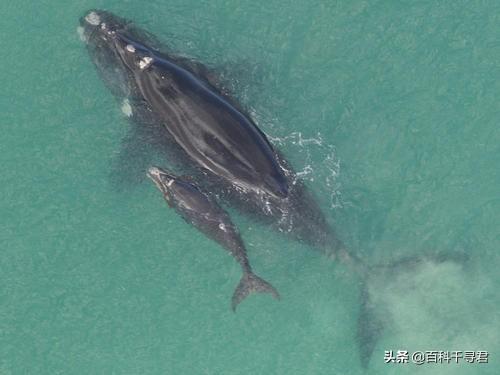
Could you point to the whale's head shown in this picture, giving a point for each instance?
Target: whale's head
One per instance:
(163, 181)
(99, 28)
(117, 48)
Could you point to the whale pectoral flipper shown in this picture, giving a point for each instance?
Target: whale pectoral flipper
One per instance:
(251, 283)
(128, 166)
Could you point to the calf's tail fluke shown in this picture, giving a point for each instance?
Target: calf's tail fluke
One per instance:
(251, 283)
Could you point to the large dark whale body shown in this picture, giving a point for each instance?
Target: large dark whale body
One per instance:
(205, 134)
(203, 213)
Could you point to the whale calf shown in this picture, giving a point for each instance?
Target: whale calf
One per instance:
(199, 210)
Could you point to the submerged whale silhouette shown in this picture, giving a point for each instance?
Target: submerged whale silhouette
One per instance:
(199, 210)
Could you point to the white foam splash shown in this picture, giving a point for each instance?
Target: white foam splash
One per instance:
(296, 138)
(315, 161)
(305, 172)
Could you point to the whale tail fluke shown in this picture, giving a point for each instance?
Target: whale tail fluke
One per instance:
(373, 317)
(251, 283)
(370, 327)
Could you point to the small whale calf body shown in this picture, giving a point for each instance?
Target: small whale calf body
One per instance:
(199, 210)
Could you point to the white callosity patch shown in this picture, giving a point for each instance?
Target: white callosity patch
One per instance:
(222, 227)
(268, 207)
(153, 171)
(130, 48)
(93, 18)
(145, 62)
(126, 108)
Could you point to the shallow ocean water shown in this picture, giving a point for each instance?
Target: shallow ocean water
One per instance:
(389, 110)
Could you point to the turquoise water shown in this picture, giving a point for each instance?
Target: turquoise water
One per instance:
(389, 110)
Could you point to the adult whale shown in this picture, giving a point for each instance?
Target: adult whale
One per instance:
(210, 129)
(199, 210)
(206, 134)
